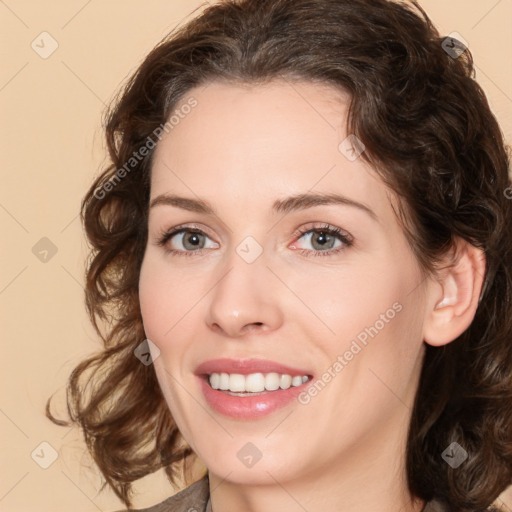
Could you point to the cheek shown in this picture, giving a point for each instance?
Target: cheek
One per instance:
(166, 297)
(158, 301)
(162, 307)
(368, 315)
(149, 297)
(348, 301)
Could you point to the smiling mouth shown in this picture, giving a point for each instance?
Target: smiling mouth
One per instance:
(253, 384)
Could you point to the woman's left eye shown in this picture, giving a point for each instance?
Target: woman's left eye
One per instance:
(325, 240)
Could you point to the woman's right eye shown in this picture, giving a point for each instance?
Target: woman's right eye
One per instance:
(185, 241)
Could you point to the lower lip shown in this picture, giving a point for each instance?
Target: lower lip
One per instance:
(249, 407)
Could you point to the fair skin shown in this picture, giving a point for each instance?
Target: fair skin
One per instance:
(241, 149)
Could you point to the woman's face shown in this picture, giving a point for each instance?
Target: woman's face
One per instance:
(288, 262)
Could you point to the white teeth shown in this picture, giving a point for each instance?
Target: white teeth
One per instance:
(254, 382)
(285, 382)
(272, 381)
(223, 381)
(236, 382)
(297, 380)
(215, 380)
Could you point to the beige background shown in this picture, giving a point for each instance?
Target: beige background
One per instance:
(51, 148)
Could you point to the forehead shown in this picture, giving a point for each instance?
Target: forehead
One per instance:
(251, 143)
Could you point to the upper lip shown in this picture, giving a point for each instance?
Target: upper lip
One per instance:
(247, 366)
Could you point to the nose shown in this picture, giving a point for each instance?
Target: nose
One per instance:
(245, 299)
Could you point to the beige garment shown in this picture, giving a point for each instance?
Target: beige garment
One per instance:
(195, 498)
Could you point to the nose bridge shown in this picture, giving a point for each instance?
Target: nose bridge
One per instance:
(244, 297)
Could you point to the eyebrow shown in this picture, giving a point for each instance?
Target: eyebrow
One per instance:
(289, 204)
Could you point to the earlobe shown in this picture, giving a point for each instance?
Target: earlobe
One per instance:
(453, 299)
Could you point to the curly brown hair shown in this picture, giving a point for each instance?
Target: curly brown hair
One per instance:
(431, 136)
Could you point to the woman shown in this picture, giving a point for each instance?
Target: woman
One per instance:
(305, 228)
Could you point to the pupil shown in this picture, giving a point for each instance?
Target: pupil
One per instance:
(192, 240)
(323, 238)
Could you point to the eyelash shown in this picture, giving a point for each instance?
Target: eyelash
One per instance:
(346, 239)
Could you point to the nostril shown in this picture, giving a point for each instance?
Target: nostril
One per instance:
(253, 326)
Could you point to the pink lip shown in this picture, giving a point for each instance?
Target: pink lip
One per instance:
(246, 366)
(248, 407)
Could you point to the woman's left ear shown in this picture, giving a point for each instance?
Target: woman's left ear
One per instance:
(453, 297)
